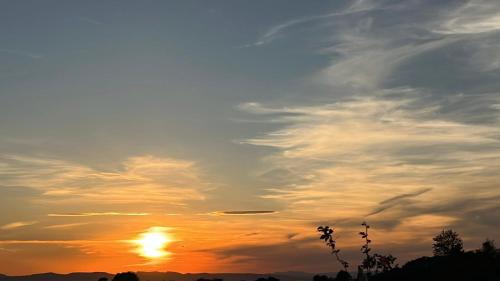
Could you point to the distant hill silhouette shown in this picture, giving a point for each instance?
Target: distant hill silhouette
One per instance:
(76, 276)
(165, 276)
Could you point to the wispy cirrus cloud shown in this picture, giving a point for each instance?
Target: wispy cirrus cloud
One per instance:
(17, 224)
(277, 31)
(65, 225)
(408, 124)
(159, 179)
(97, 214)
(56, 242)
(473, 17)
(22, 53)
(359, 146)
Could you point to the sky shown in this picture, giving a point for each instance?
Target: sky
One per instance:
(234, 128)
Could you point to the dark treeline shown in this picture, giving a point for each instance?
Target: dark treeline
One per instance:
(131, 276)
(450, 261)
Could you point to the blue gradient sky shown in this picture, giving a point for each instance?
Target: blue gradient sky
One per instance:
(139, 114)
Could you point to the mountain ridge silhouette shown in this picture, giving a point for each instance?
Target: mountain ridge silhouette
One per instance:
(163, 276)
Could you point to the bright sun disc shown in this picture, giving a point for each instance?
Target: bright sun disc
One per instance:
(153, 242)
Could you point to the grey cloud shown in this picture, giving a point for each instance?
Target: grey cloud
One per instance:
(301, 254)
(245, 212)
(309, 254)
(398, 199)
(475, 216)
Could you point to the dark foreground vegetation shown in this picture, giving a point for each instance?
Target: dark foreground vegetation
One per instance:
(465, 266)
(449, 263)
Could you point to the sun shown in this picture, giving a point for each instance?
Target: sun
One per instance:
(152, 243)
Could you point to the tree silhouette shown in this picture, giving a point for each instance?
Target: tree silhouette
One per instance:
(446, 243)
(327, 235)
(343, 276)
(322, 278)
(270, 278)
(384, 263)
(488, 247)
(126, 276)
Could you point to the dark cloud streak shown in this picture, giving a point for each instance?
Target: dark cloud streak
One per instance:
(249, 212)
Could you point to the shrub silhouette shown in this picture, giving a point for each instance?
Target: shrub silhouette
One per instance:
(270, 278)
(446, 243)
(322, 278)
(126, 276)
(343, 276)
(488, 248)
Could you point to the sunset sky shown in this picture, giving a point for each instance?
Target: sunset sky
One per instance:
(232, 129)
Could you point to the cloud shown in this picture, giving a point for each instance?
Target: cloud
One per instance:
(64, 226)
(97, 214)
(17, 224)
(22, 54)
(357, 153)
(407, 129)
(398, 199)
(476, 16)
(274, 32)
(277, 31)
(62, 242)
(368, 44)
(250, 212)
(140, 179)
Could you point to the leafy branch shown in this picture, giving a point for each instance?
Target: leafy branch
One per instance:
(369, 261)
(327, 235)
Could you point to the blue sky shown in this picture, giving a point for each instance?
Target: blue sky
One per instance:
(315, 111)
